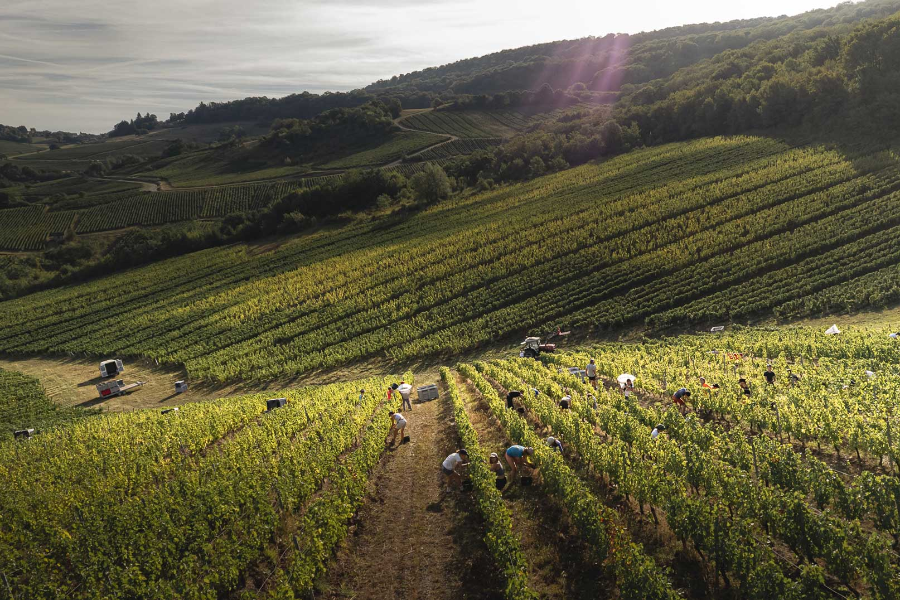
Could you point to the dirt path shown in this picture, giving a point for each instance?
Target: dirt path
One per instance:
(411, 540)
(146, 186)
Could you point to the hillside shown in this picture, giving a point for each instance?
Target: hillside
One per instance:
(764, 493)
(723, 228)
(683, 214)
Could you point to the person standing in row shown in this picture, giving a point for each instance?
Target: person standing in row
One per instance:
(769, 375)
(745, 387)
(405, 391)
(629, 388)
(591, 371)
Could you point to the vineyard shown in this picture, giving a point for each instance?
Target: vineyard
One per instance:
(399, 145)
(458, 147)
(28, 228)
(216, 498)
(99, 151)
(788, 491)
(472, 124)
(713, 229)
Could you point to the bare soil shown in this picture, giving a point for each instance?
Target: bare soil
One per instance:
(71, 382)
(412, 540)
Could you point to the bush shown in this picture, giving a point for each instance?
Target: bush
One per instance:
(431, 184)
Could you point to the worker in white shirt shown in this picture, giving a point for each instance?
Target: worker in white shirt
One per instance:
(657, 430)
(566, 401)
(451, 465)
(591, 371)
(398, 425)
(405, 390)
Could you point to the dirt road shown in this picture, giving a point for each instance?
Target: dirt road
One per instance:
(412, 540)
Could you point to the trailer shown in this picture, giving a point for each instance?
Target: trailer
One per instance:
(117, 387)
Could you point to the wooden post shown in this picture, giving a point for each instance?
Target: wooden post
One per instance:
(890, 440)
(778, 420)
(755, 465)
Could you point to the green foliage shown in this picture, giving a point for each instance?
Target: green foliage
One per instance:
(333, 129)
(430, 185)
(199, 502)
(138, 125)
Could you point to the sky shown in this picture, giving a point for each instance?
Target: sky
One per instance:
(83, 65)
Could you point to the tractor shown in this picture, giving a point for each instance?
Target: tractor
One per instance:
(533, 347)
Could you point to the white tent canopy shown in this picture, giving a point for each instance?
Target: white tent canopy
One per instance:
(833, 330)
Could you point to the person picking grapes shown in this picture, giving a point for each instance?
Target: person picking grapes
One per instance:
(397, 426)
(451, 466)
(497, 467)
(515, 457)
(678, 398)
(554, 444)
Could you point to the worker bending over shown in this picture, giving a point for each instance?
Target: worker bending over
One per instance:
(509, 398)
(657, 430)
(515, 457)
(554, 444)
(565, 401)
(451, 466)
(398, 425)
(679, 399)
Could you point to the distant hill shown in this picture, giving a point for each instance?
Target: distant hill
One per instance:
(600, 64)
